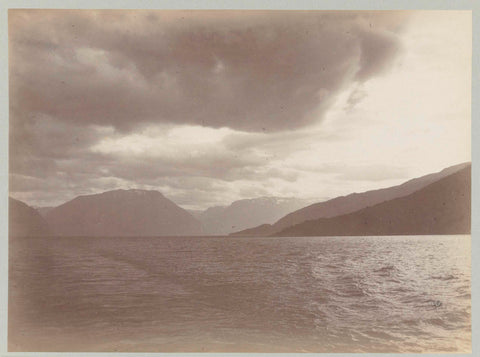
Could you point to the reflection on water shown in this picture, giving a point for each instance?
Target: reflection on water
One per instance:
(359, 294)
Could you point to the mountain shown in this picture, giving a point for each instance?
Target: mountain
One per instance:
(222, 220)
(44, 210)
(122, 213)
(24, 220)
(443, 207)
(351, 203)
(196, 213)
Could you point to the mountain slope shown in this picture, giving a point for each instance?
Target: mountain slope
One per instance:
(222, 220)
(442, 207)
(122, 213)
(24, 220)
(43, 210)
(353, 202)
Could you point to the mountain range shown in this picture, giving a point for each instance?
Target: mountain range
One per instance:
(350, 203)
(242, 214)
(121, 213)
(442, 207)
(438, 203)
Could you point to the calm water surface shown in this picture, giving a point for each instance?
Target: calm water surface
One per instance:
(349, 294)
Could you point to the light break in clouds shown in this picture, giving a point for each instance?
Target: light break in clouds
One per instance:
(213, 106)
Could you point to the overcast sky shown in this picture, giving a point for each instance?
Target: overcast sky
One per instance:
(213, 106)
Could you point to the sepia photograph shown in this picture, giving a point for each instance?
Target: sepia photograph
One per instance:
(232, 180)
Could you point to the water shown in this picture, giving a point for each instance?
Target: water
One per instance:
(348, 294)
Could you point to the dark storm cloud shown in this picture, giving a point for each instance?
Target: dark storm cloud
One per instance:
(49, 137)
(245, 70)
(77, 77)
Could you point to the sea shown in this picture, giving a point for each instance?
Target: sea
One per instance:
(233, 294)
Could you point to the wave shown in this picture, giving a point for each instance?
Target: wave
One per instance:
(386, 270)
(443, 277)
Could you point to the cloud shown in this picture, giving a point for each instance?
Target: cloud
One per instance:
(356, 96)
(249, 71)
(365, 172)
(207, 107)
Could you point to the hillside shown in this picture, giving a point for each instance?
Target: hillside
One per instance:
(24, 220)
(44, 210)
(442, 207)
(350, 203)
(122, 213)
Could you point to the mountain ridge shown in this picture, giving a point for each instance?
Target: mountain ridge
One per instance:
(351, 202)
(443, 207)
(122, 213)
(138, 212)
(245, 213)
(24, 220)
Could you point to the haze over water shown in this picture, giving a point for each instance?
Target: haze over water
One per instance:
(349, 294)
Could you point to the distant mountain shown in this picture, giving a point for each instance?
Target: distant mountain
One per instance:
(351, 203)
(262, 230)
(24, 220)
(196, 213)
(443, 207)
(122, 213)
(222, 220)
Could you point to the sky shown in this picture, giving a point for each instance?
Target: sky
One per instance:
(209, 107)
